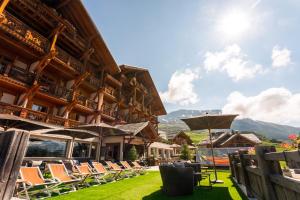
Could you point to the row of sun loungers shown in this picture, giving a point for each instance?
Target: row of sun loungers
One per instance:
(67, 176)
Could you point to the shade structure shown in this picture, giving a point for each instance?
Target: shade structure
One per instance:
(103, 129)
(209, 122)
(135, 128)
(74, 133)
(8, 121)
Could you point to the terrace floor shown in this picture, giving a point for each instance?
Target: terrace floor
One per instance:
(147, 187)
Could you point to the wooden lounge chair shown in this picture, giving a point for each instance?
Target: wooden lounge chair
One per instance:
(127, 166)
(85, 171)
(136, 165)
(116, 168)
(33, 182)
(61, 175)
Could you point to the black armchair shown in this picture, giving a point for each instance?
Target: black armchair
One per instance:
(177, 181)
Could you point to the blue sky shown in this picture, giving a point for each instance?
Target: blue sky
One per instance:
(239, 56)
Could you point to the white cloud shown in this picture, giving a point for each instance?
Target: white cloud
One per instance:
(277, 105)
(233, 61)
(281, 57)
(181, 88)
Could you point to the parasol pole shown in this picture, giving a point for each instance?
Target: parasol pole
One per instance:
(213, 157)
(212, 153)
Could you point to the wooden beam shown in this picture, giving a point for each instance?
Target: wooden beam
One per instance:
(3, 6)
(56, 33)
(87, 54)
(79, 80)
(29, 95)
(62, 4)
(44, 62)
(69, 107)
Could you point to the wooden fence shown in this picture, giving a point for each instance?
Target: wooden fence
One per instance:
(261, 174)
(13, 146)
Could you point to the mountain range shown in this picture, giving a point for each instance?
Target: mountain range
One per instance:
(171, 124)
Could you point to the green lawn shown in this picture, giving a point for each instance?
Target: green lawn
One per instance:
(197, 137)
(147, 187)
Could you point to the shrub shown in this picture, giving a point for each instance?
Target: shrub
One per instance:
(132, 154)
(185, 153)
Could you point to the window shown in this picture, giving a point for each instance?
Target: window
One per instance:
(81, 150)
(46, 148)
(39, 108)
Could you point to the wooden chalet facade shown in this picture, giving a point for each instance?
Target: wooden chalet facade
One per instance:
(180, 138)
(232, 139)
(56, 68)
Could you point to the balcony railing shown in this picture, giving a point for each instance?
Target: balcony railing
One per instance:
(22, 32)
(83, 100)
(139, 106)
(57, 91)
(21, 75)
(9, 109)
(110, 90)
(108, 110)
(35, 115)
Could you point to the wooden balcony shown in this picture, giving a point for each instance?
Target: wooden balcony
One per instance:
(21, 32)
(56, 91)
(21, 75)
(83, 100)
(36, 115)
(139, 106)
(108, 110)
(69, 60)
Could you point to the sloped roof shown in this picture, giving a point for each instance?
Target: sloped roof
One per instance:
(76, 13)
(161, 145)
(181, 133)
(227, 136)
(158, 106)
(145, 128)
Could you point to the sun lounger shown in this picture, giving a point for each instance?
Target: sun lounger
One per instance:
(115, 167)
(86, 171)
(98, 167)
(136, 165)
(33, 182)
(127, 166)
(61, 175)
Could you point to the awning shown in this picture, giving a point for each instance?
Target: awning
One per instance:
(74, 133)
(145, 128)
(8, 121)
(103, 129)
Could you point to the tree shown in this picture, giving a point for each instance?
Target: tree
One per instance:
(185, 152)
(132, 154)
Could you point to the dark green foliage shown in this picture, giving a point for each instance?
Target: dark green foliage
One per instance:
(185, 153)
(132, 154)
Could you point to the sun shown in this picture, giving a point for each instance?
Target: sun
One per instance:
(235, 23)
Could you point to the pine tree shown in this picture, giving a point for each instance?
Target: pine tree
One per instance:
(185, 153)
(132, 154)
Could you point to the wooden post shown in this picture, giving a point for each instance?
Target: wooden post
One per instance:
(13, 147)
(244, 164)
(266, 170)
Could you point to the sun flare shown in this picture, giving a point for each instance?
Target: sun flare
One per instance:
(234, 23)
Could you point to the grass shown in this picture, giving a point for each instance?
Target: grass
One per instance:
(197, 137)
(147, 187)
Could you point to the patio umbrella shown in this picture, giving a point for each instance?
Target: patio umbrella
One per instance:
(8, 121)
(74, 133)
(103, 129)
(210, 122)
